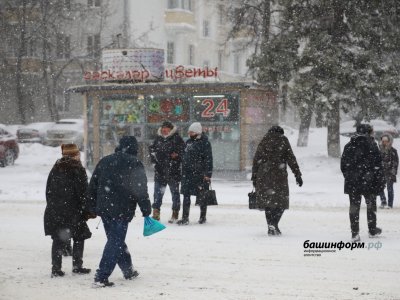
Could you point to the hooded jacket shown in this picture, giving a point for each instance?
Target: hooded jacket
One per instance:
(361, 165)
(166, 167)
(118, 183)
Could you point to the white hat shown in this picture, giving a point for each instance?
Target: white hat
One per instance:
(196, 128)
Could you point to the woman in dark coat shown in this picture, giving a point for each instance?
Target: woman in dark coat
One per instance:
(197, 166)
(269, 176)
(65, 215)
(390, 160)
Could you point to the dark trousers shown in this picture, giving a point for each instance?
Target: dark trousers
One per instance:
(390, 192)
(115, 251)
(354, 212)
(186, 208)
(159, 190)
(273, 215)
(57, 251)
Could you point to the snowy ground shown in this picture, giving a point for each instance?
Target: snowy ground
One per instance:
(230, 257)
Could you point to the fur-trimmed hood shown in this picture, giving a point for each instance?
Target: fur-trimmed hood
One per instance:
(171, 133)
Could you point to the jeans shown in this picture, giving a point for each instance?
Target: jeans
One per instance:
(159, 190)
(354, 212)
(390, 195)
(57, 249)
(115, 251)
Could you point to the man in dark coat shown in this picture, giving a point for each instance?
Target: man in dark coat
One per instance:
(361, 165)
(197, 169)
(118, 183)
(166, 154)
(65, 215)
(269, 176)
(390, 161)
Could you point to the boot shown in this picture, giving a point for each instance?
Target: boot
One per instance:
(185, 216)
(174, 217)
(81, 270)
(355, 237)
(375, 232)
(156, 214)
(203, 213)
(57, 273)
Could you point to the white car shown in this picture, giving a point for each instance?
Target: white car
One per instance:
(380, 127)
(65, 131)
(34, 132)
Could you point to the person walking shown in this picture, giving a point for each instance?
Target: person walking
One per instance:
(390, 160)
(361, 165)
(118, 183)
(166, 153)
(197, 167)
(269, 176)
(65, 215)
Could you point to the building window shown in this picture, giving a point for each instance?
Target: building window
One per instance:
(170, 52)
(191, 55)
(236, 63)
(220, 59)
(63, 46)
(173, 4)
(94, 3)
(183, 4)
(93, 45)
(206, 28)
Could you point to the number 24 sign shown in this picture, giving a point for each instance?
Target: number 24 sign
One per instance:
(212, 109)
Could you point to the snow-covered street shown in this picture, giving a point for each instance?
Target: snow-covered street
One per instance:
(231, 257)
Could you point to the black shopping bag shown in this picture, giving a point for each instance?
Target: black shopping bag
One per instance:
(206, 197)
(252, 200)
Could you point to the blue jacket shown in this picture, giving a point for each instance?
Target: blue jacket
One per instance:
(118, 183)
(197, 163)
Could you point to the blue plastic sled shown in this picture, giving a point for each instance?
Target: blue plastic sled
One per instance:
(151, 226)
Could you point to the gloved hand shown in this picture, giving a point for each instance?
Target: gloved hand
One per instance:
(299, 181)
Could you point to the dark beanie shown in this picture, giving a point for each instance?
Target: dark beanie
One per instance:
(364, 129)
(128, 144)
(276, 129)
(167, 124)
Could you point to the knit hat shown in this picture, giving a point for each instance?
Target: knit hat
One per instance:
(69, 150)
(128, 144)
(196, 128)
(167, 124)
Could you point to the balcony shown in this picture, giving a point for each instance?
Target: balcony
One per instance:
(179, 20)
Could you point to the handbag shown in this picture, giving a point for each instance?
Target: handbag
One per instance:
(206, 197)
(252, 200)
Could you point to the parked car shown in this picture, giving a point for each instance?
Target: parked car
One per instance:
(380, 127)
(9, 149)
(65, 131)
(34, 132)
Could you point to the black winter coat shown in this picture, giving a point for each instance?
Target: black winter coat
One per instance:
(65, 196)
(390, 160)
(362, 168)
(166, 167)
(197, 163)
(269, 172)
(117, 185)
